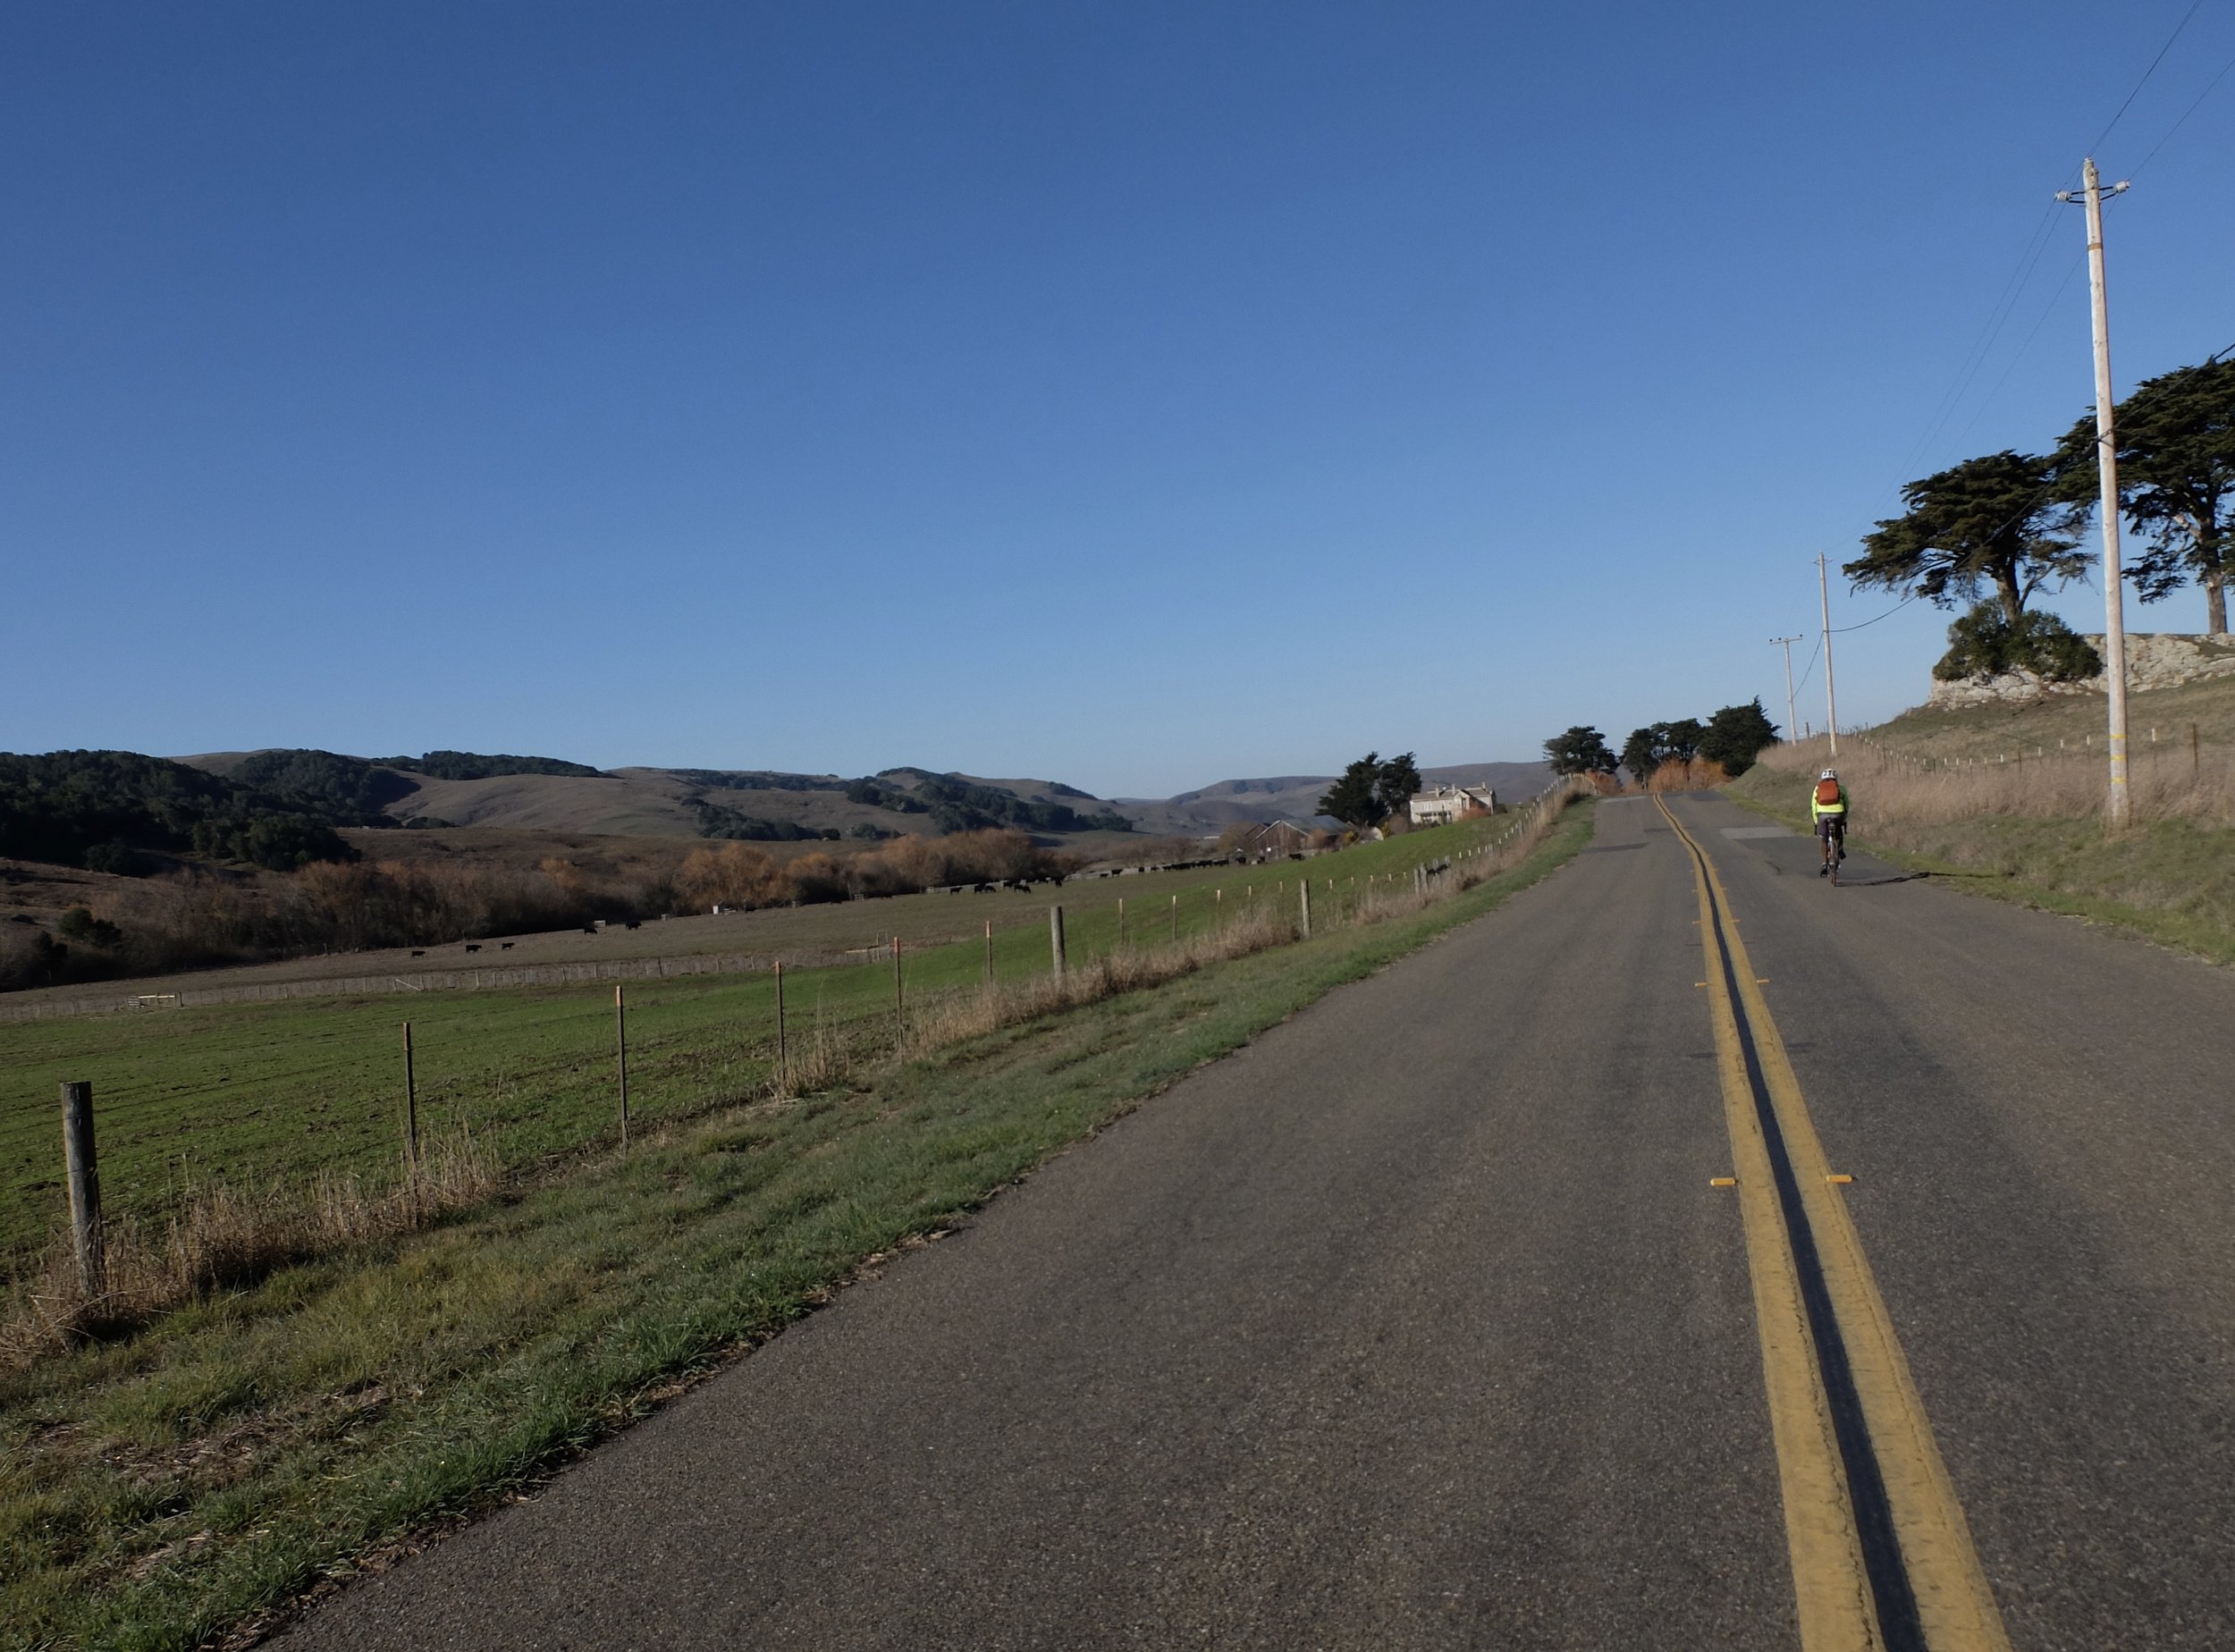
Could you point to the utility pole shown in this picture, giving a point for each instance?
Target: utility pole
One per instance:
(2107, 478)
(1830, 698)
(1785, 642)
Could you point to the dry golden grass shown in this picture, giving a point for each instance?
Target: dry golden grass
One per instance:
(2035, 830)
(1895, 787)
(954, 1017)
(1686, 774)
(225, 1236)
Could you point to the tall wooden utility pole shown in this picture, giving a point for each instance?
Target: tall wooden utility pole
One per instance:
(2122, 806)
(1830, 698)
(1792, 723)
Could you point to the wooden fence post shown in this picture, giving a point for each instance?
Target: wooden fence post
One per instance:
(1176, 919)
(1121, 920)
(989, 952)
(1055, 936)
(621, 1052)
(783, 1067)
(411, 1108)
(899, 1003)
(1303, 886)
(85, 1186)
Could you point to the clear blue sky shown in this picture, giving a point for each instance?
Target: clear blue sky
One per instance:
(1134, 394)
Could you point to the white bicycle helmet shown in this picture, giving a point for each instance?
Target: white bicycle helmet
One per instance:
(1828, 774)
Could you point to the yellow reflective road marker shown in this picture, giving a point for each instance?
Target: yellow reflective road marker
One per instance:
(1955, 1603)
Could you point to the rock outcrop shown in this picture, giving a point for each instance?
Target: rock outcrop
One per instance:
(2154, 660)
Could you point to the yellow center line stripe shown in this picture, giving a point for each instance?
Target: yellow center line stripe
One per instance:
(1831, 1584)
(1955, 1603)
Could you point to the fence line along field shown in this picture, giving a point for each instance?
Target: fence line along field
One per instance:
(822, 931)
(258, 1095)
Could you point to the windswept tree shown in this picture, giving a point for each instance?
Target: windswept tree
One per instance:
(2176, 450)
(1642, 755)
(1735, 736)
(1647, 748)
(1997, 522)
(1371, 790)
(1580, 750)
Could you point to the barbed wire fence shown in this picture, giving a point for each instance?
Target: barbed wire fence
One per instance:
(530, 1074)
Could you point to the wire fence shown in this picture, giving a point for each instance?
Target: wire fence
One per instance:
(293, 1086)
(471, 978)
(2174, 773)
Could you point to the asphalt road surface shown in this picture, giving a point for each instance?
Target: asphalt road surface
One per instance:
(1421, 1322)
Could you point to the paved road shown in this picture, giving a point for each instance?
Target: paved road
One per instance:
(1420, 1324)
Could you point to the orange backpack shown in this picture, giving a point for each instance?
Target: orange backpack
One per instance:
(1827, 793)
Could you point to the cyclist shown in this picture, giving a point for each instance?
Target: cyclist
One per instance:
(1827, 811)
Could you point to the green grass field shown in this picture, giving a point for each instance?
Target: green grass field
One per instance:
(256, 1094)
(162, 1488)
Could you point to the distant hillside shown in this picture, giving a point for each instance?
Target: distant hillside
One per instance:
(108, 810)
(1297, 797)
(543, 793)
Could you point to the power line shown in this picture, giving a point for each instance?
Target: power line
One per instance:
(2028, 259)
(2152, 70)
(2185, 114)
(2039, 320)
(2013, 289)
(1812, 654)
(1840, 630)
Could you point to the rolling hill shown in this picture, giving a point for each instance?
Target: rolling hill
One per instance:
(1297, 797)
(772, 805)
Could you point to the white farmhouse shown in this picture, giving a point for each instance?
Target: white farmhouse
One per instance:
(1451, 803)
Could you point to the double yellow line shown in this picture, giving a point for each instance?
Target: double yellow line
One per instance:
(1832, 1569)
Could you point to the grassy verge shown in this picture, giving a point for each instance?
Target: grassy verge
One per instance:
(2169, 880)
(157, 1490)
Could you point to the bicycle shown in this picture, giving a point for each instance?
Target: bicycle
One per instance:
(1832, 832)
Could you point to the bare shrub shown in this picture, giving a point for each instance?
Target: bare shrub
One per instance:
(731, 876)
(815, 879)
(1686, 774)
